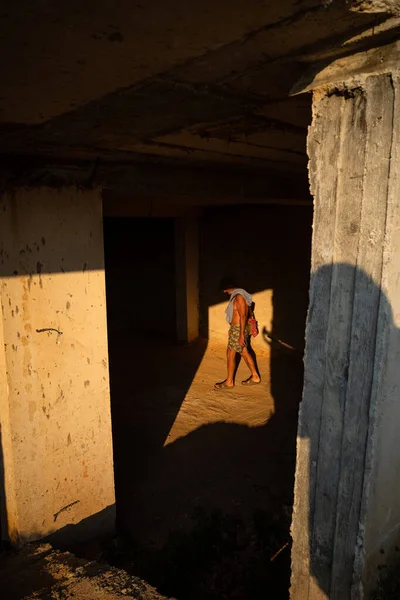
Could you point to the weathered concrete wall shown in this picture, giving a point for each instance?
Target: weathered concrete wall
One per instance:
(382, 506)
(347, 487)
(55, 405)
(8, 514)
(267, 249)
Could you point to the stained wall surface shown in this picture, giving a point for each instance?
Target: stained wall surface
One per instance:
(55, 405)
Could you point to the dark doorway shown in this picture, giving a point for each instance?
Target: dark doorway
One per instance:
(140, 276)
(204, 481)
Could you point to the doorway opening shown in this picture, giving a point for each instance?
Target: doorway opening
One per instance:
(204, 479)
(140, 275)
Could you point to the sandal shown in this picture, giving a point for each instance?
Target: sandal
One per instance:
(223, 386)
(249, 381)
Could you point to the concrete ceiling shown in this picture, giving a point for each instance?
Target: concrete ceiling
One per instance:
(200, 83)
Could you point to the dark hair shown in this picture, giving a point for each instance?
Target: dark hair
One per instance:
(227, 283)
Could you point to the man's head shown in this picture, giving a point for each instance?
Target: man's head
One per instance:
(227, 285)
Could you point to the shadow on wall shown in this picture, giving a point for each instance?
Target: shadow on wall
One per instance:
(348, 437)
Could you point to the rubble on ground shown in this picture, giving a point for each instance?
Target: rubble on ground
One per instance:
(39, 572)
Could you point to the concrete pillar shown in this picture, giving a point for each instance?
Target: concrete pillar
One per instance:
(346, 519)
(56, 440)
(187, 278)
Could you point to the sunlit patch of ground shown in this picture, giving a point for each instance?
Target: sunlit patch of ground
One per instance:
(243, 405)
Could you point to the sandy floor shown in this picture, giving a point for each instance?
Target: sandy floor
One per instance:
(185, 453)
(202, 405)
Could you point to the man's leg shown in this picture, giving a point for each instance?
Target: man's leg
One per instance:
(233, 348)
(248, 359)
(231, 364)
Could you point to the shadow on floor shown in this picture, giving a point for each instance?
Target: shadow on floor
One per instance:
(203, 516)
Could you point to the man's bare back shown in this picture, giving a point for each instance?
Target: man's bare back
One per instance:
(240, 309)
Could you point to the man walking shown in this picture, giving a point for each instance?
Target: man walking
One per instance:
(237, 315)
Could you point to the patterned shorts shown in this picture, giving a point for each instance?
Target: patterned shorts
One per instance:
(233, 338)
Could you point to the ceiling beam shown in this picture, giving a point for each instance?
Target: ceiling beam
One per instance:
(162, 181)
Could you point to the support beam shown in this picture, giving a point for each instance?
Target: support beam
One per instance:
(187, 278)
(55, 420)
(346, 519)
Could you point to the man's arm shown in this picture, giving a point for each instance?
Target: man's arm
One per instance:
(241, 307)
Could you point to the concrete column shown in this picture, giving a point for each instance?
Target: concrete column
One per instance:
(187, 278)
(56, 440)
(346, 518)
